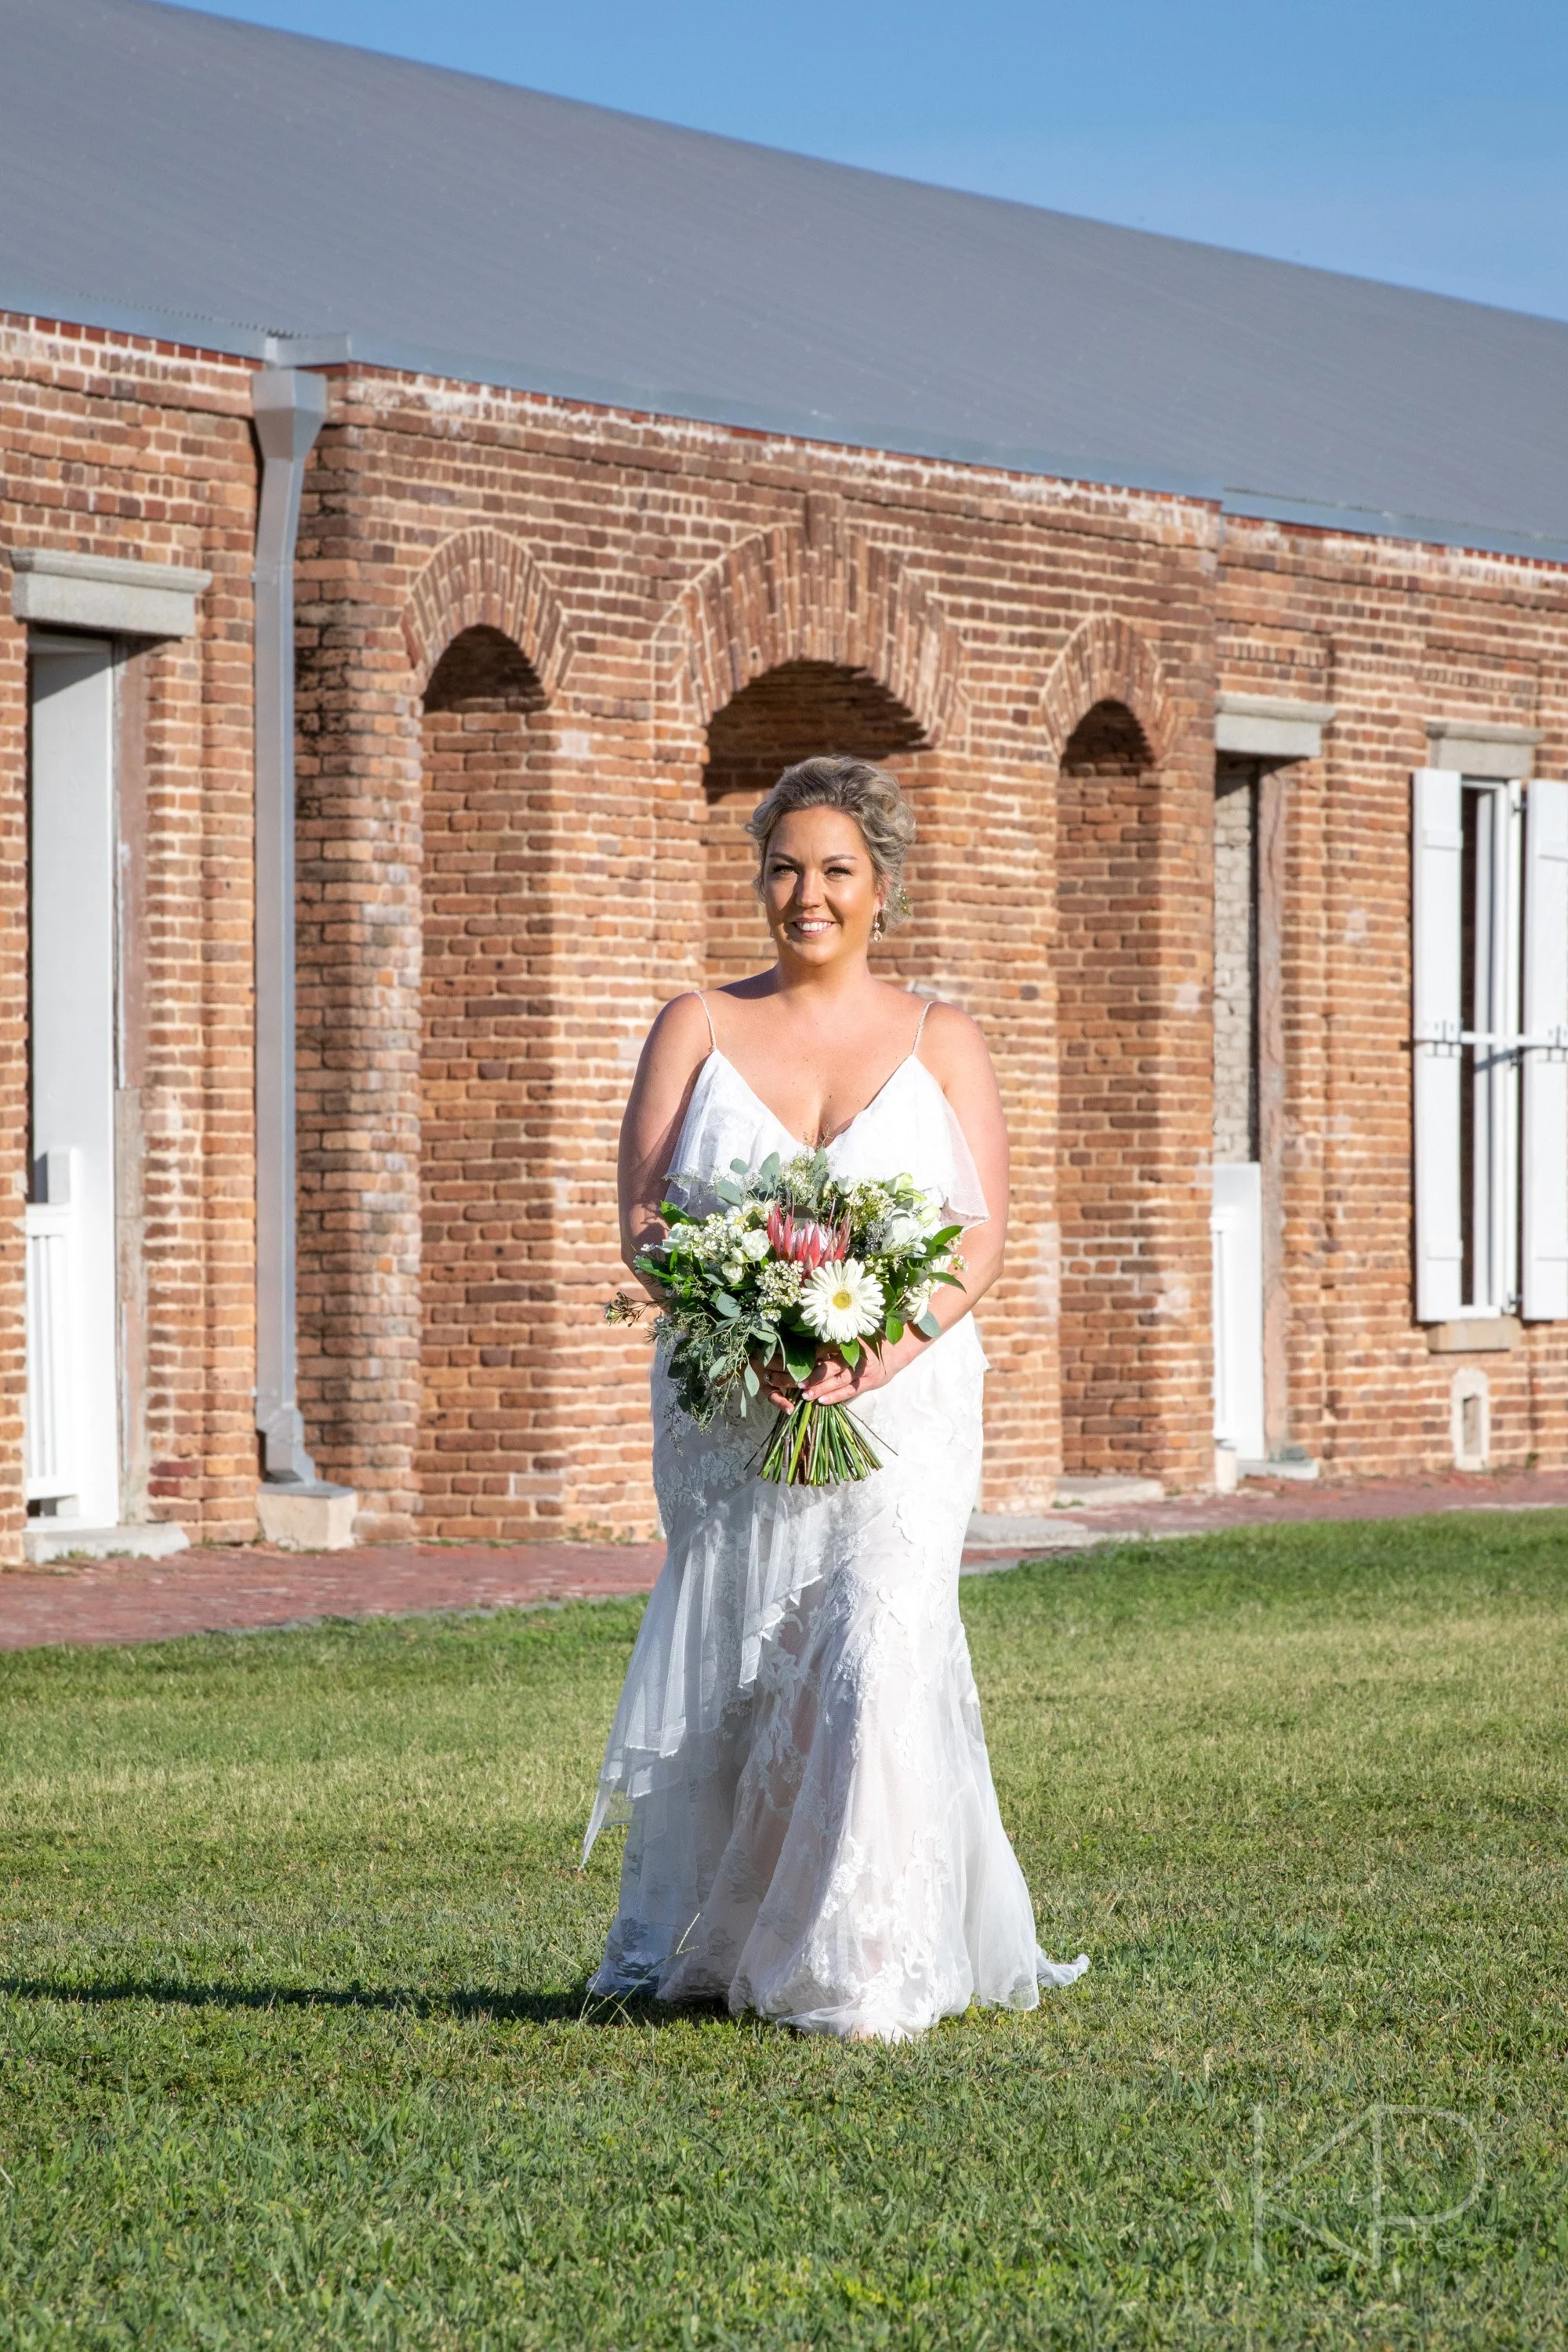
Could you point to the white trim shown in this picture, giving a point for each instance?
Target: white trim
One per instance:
(1475, 747)
(1543, 1283)
(1265, 728)
(110, 592)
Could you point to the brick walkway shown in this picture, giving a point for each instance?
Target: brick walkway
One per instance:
(231, 1591)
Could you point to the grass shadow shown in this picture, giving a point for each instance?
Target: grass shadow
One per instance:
(578, 2006)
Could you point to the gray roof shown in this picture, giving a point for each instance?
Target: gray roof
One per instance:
(181, 174)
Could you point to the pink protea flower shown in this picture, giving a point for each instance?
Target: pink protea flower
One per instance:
(806, 1244)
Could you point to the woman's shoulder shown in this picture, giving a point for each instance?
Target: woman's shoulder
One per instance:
(682, 1034)
(951, 1039)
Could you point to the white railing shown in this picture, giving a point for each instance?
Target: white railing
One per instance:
(1236, 1227)
(51, 1471)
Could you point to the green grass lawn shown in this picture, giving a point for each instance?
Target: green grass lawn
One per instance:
(294, 2049)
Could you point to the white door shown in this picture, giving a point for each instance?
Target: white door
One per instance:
(1237, 1226)
(73, 1437)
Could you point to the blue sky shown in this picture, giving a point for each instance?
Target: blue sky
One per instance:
(1421, 140)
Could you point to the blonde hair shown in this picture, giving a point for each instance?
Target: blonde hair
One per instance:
(867, 793)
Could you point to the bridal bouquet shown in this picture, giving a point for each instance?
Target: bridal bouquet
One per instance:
(794, 1259)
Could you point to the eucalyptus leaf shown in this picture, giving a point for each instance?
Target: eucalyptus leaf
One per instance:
(728, 1192)
(929, 1325)
(750, 1376)
(726, 1305)
(768, 1173)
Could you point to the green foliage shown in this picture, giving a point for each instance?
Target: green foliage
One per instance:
(294, 2050)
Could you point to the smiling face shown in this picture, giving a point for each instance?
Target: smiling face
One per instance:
(820, 890)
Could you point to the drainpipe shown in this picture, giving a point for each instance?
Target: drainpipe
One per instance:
(289, 407)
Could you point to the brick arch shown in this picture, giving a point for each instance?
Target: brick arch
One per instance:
(488, 646)
(482, 578)
(1108, 660)
(1132, 1111)
(828, 595)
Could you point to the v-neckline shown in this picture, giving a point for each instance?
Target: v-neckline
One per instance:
(717, 1055)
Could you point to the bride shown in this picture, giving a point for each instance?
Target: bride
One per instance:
(813, 1832)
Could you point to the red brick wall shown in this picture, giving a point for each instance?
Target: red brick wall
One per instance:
(498, 890)
(1391, 635)
(1108, 1046)
(119, 448)
(483, 1456)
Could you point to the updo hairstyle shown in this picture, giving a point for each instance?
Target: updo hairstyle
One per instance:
(867, 793)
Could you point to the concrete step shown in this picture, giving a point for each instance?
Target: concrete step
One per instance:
(1095, 1494)
(1051, 1532)
(47, 1539)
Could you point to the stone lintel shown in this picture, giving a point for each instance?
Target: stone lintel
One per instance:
(107, 593)
(1473, 746)
(1265, 727)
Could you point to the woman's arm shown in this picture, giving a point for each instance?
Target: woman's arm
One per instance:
(677, 1045)
(956, 1055)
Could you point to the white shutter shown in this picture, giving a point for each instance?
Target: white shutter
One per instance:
(1545, 1186)
(1435, 859)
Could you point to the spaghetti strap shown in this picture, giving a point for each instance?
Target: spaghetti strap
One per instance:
(914, 1049)
(712, 1038)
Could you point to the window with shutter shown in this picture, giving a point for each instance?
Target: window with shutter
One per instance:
(1491, 962)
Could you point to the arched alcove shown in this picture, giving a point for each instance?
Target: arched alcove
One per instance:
(1109, 1046)
(790, 713)
(482, 1184)
(483, 670)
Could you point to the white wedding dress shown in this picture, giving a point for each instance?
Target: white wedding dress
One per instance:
(813, 1831)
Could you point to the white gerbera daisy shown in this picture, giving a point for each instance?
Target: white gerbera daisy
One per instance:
(841, 1302)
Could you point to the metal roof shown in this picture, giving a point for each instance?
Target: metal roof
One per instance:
(183, 175)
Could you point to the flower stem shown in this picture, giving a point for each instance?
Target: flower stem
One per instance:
(818, 1445)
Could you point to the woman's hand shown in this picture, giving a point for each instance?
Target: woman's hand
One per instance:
(834, 1382)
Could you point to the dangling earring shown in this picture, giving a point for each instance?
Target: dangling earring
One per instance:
(876, 928)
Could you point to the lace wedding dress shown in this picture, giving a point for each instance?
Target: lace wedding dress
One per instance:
(813, 1831)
